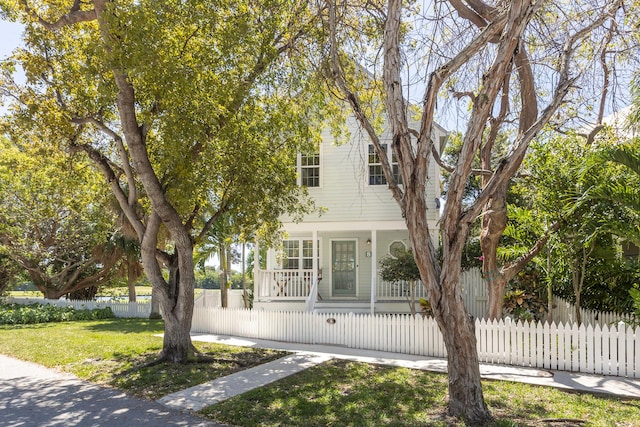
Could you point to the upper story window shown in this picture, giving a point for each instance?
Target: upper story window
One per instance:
(396, 169)
(310, 170)
(376, 174)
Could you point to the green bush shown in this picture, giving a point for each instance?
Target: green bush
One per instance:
(17, 314)
(522, 305)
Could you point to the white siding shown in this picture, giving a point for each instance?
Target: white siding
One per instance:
(345, 192)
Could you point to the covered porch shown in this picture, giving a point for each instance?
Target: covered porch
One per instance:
(334, 267)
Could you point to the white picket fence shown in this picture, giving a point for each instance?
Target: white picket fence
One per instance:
(565, 312)
(613, 350)
(120, 309)
(475, 295)
(211, 298)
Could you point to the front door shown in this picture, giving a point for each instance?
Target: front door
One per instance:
(343, 268)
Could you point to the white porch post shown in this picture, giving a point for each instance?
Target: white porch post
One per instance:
(314, 265)
(374, 268)
(257, 282)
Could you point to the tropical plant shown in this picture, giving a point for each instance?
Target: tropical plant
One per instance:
(400, 268)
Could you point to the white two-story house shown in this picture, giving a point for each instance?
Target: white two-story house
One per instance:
(329, 262)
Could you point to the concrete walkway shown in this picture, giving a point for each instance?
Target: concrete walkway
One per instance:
(306, 355)
(197, 397)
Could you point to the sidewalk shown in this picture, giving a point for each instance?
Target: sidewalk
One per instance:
(306, 355)
(32, 395)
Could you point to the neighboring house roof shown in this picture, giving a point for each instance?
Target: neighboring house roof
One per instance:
(620, 122)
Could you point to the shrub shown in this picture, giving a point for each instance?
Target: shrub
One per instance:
(16, 314)
(522, 305)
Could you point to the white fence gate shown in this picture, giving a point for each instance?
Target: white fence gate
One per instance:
(605, 350)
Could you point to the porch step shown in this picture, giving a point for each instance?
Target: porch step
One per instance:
(328, 307)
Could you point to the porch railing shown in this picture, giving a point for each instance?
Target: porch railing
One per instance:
(399, 290)
(285, 284)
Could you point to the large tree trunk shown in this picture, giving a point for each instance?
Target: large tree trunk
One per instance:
(466, 399)
(49, 293)
(443, 287)
(176, 296)
(155, 304)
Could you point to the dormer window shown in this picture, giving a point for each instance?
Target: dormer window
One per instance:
(310, 170)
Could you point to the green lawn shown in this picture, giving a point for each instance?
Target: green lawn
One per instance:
(337, 393)
(342, 393)
(100, 351)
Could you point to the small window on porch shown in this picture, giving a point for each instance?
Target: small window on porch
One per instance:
(396, 247)
(291, 252)
(298, 254)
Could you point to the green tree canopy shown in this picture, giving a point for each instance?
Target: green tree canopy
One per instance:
(583, 260)
(54, 217)
(192, 111)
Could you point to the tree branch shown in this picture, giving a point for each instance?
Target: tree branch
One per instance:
(468, 13)
(124, 157)
(74, 16)
(509, 271)
(509, 165)
(352, 99)
(103, 165)
(519, 15)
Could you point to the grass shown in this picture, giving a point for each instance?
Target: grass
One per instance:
(101, 351)
(342, 393)
(337, 393)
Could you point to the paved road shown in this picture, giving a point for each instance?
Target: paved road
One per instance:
(31, 395)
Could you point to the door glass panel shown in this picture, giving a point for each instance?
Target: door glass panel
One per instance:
(343, 255)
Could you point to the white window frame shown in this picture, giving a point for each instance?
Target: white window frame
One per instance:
(300, 257)
(390, 251)
(300, 167)
(395, 168)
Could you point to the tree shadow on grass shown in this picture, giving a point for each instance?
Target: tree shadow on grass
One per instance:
(142, 378)
(128, 326)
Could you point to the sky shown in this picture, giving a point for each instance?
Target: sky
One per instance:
(10, 34)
